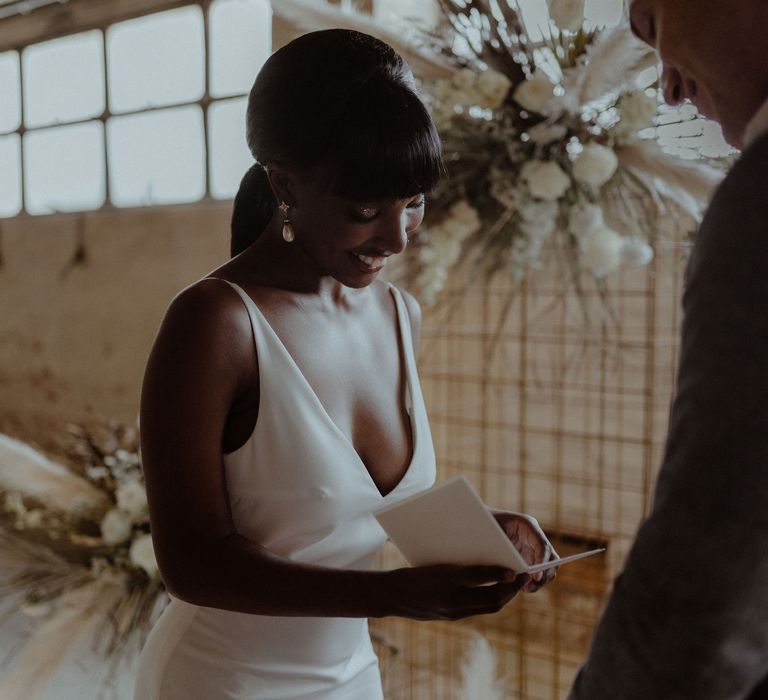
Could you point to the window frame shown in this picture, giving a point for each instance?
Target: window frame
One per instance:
(77, 17)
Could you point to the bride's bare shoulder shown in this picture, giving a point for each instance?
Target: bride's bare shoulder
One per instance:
(207, 323)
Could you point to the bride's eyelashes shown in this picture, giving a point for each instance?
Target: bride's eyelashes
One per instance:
(366, 214)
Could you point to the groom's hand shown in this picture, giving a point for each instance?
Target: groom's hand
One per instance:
(529, 539)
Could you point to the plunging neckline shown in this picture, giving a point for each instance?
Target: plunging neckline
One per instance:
(345, 439)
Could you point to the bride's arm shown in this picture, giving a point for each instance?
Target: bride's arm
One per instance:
(202, 359)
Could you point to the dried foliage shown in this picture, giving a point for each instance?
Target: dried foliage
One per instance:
(75, 552)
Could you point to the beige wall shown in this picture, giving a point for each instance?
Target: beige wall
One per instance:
(74, 338)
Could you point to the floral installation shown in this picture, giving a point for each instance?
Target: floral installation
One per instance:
(550, 146)
(76, 555)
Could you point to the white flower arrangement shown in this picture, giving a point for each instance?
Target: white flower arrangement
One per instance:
(116, 527)
(595, 165)
(535, 94)
(75, 548)
(548, 144)
(142, 555)
(545, 179)
(602, 250)
(444, 251)
(132, 499)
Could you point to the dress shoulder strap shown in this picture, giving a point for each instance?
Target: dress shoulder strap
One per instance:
(406, 336)
(250, 307)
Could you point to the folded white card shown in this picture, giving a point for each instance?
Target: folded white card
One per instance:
(450, 524)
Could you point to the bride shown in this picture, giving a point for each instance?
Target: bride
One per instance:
(281, 402)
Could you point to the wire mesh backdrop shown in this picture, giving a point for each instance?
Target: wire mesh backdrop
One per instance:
(555, 417)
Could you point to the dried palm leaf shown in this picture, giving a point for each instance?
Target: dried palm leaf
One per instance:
(689, 184)
(493, 31)
(310, 15)
(611, 62)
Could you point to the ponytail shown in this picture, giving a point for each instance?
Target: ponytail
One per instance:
(253, 209)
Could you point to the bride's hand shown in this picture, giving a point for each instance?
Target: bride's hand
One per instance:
(450, 592)
(529, 539)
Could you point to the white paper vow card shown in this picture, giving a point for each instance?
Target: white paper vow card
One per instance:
(450, 524)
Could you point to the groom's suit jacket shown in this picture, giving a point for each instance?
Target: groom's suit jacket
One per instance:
(688, 617)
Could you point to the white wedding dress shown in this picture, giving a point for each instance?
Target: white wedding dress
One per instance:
(298, 488)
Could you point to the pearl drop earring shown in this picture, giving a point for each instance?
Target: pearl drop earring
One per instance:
(289, 235)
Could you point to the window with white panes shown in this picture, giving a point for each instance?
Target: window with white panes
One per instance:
(147, 111)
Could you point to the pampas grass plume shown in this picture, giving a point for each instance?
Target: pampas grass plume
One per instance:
(30, 473)
(479, 673)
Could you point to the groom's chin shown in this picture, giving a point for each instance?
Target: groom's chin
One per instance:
(736, 122)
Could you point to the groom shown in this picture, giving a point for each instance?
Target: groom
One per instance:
(688, 617)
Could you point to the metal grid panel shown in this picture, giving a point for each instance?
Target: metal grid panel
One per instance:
(548, 418)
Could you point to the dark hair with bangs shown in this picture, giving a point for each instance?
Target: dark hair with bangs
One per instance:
(343, 99)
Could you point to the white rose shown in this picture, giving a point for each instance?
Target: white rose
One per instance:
(567, 14)
(116, 526)
(584, 218)
(543, 134)
(535, 93)
(595, 165)
(537, 230)
(132, 498)
(533, 210)
(602, 250)
(636, 111)
(493, 86)
(142, 554)
(545, 179)
(97, 472)
(636, 253)
(538, 219)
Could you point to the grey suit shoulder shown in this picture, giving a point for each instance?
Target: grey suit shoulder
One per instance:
(688, 617)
